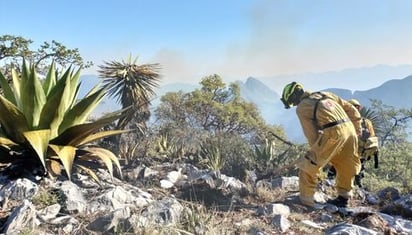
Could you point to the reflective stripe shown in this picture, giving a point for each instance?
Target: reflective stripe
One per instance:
(335, 123)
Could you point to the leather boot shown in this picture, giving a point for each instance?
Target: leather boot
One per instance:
(339, 201)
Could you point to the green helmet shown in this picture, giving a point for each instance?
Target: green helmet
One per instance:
(291, 94)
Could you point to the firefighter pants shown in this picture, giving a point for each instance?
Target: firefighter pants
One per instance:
(338, 146)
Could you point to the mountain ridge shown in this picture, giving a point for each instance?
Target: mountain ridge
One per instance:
(393, 92)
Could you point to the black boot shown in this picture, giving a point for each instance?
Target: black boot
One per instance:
(331, 172)
(339, 201)
(358, 180)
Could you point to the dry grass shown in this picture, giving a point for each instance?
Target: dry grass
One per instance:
(266, 194)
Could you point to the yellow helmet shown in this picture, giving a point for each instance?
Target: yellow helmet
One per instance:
(354, 102)
(291, 94)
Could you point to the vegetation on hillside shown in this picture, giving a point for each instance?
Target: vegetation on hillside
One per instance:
(15, 49)
(212, 127)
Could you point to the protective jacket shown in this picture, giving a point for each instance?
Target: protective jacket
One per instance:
(331, 126)
(368, 142)
(368, 126)
(325, 113)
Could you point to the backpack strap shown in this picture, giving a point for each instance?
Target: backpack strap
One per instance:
(315, 109)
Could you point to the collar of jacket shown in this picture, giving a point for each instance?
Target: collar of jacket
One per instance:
(305, 95)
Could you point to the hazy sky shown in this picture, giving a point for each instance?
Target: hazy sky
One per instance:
(233, 38)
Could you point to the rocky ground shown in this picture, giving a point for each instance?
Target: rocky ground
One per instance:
(181, 199)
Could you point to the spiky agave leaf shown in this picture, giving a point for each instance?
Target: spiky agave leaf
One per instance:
(106, 156)
(6, 142)
(98, 136)
(6, 146)
(7, 91)
(67, 99)
(32, 97)
(58, 101)
(90, 172)
(54, 166)
(12, 121)
(81, 111)
(16, 84)
(50, 80)
(39, 140)
(74, 87)
(77, 134)
(66, 154)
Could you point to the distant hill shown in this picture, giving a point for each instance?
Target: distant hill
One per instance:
(361, 79)
(265, 98)
(395, 92)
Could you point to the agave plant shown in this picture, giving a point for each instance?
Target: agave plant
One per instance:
(44, 119)
(213, 157)
(266, 151)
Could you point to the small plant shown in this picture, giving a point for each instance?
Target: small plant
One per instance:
(43, 120)
(213, 157)
(265, 153)
(165, 146)
(44, 198)
(196, 218)
(127, 151)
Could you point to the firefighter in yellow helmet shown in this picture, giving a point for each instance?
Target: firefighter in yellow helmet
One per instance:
(368, 123)
(365, 152)
(331, 126)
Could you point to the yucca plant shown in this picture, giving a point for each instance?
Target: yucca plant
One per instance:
(45, 120)
(133, 85)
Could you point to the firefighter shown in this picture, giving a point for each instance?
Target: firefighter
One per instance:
(365, 153)
(331, 126)
(368, 145)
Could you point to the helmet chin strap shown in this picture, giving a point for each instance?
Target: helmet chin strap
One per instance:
(285, 103)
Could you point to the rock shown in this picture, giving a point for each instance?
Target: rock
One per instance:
(287, 183)
(166, 184)
(164, 212)
(118, 198)
(49, 212)
(73, 196)
(349, 229)
(312, 224)
(113, 222)
(19, 189)
(22, 218)
(278, 209)
(281, 222)
(389, 193)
